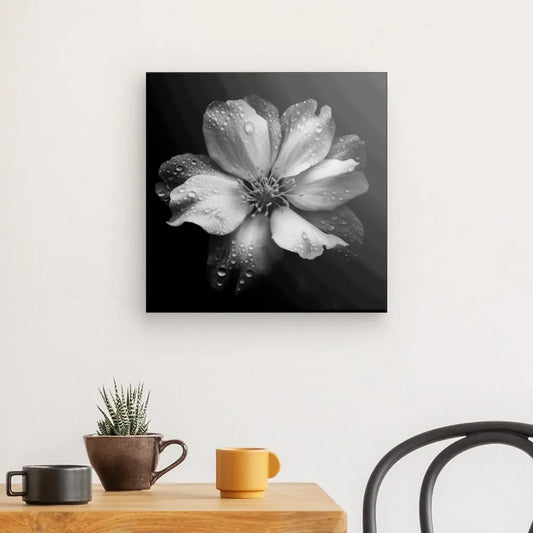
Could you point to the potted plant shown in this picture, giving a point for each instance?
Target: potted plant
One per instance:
(122, 452)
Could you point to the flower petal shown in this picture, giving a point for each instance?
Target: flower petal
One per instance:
(341, 222)
(270, 113)
(237, 138)
(327, 185)
(212, 201)
(307, 138)
(179, 169)
(242, 257)
(348, 147)
(292, 232)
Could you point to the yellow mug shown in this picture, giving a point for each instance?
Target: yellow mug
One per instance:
(244, 472)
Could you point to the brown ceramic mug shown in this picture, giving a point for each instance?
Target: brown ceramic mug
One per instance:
(129, 462)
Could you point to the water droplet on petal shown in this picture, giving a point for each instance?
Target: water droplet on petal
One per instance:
(248, 273)
(222, 272)
(249, 128)
(191, 194)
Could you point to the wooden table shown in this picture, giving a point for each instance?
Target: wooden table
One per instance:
(180, 508)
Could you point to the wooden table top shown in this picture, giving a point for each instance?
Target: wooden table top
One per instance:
(180, 508)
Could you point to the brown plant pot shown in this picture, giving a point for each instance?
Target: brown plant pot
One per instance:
(129, 462)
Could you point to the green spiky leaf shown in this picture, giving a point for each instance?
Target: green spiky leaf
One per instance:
(125, 410)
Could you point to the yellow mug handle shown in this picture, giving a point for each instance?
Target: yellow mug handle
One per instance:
(274, 466)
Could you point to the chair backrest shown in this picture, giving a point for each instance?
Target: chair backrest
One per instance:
(474, 434)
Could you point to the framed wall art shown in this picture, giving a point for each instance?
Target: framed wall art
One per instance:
(266, 192)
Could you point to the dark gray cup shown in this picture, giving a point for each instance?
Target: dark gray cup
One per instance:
(52, 484)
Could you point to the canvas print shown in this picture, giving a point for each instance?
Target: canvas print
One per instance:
(266, 192)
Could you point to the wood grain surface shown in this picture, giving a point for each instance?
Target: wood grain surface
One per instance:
(179, 508)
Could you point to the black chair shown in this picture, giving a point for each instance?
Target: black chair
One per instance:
(474, 434)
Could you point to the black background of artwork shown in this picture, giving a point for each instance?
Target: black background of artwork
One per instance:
(176, 257)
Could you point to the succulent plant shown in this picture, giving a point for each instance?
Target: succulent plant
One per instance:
(126, 410)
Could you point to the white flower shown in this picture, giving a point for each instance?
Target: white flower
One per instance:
(269, 183)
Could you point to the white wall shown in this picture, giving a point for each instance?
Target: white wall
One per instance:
(329, 393)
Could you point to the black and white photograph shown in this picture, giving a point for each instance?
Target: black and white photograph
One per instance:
(266, 192)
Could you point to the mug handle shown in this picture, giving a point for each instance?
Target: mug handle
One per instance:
(9, 476)
(162, 445)
(274, 465)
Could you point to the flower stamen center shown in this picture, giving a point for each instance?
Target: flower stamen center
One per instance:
(264, 193)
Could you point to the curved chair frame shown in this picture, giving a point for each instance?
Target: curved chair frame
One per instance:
(474, 435)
